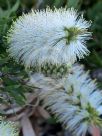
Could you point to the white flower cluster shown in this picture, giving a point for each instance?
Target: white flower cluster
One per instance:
(51, 41)
(8, 128)
(77, 104)
(47, 36)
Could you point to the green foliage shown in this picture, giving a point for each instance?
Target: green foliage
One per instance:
(6, 17)
(13, 78)
(74, 3)
(94, 14)
(62, 3)
(12, 75)
(53, 3)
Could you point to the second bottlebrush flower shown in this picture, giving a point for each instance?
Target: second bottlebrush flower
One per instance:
(77, 104)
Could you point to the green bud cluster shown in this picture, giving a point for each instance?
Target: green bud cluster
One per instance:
(54, 71)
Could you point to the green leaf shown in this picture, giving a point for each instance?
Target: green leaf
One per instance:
(15, 7)
(74, 3)
(16, 93)
(98, 59)
(95, 11)
(58, 3)
(5, 16)
(52, 120)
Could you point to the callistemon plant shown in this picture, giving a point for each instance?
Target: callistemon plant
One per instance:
(49, 41)
(8, 128)
(77, 104)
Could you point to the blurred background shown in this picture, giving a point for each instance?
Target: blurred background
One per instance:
(12, 75)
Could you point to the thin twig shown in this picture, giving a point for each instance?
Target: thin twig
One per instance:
(27, 127)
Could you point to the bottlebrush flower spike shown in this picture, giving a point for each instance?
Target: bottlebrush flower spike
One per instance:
(47, 36)
(8, 128)
(77, 104)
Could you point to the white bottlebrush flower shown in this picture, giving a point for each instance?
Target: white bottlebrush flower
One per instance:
(8, 128)
(47, 36)
(77, 104)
